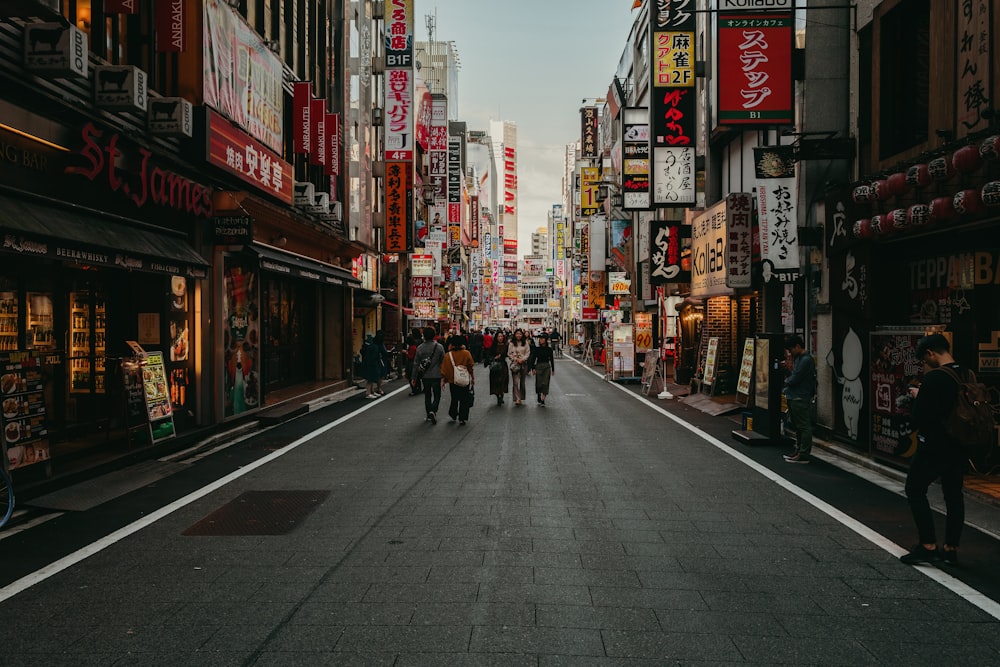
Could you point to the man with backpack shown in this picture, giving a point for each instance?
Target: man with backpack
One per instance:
(427, 367)
(938, 455)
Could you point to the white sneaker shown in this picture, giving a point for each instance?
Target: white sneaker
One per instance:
(370, 396)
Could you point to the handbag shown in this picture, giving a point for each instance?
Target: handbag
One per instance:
(460, 373)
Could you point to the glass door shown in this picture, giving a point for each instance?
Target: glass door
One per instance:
(87, 321)
(8, 319)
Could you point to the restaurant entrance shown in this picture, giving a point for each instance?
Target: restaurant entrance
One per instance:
(290, 353)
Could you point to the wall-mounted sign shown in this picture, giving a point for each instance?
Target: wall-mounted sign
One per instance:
(233, 229)
(120, 87)
(238, 153)
(588, 132)
(755, 69)
(170, 116)
(57, 49)
(171, 17)
(635, 159)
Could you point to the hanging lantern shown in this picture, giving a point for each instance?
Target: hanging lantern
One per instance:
(990, 148)
(862, 193)
(941, 168)
(943, 209)
(880, 226)
(897, 220)
(863, 229)
(897, 184)
(918, 176)
(880, 190)
(991, 194)
(918, 215)
(967, 202)
(966, 159)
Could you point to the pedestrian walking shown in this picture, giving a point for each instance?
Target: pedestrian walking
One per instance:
(427, 364)
(554, 341)
(518, 354)
(372, 367)
(937, 456)
(461, 396)
(386, 359)
(499, 373)
(800, 392)
(477, 345)
(542, 364)
(412, 341)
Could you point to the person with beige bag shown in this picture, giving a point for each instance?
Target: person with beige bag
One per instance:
(457, 370)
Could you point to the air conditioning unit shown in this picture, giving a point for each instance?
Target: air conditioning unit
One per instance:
(378, 116)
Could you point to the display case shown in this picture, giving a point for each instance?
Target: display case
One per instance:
(87, 320)
(40, 332)
(8, 321)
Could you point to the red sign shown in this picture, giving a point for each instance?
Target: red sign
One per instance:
(589, 315)
(755, 69)
(474, 221)
(332, 125)
(121, 6)
(398, 201)
(171, 37)
(422, 287)
(236, 152)
(301, 109)
(318, 145)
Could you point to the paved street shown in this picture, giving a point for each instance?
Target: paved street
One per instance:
(596, 530)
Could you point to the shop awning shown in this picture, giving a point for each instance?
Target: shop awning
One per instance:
(406, 311)
(32, 229)
(299, 266)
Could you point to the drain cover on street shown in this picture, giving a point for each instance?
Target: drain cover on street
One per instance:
(260, 513)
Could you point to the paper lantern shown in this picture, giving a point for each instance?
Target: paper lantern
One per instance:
(897, 220)
(966, 159)
(880, 225)
(897, 184)
(943, 209)
(941, 168)
(990, 148)
(862, 193)
(918, 215)
(990, 194)
(863, 229)
(880, 190)
(918, 176)
(967, 202)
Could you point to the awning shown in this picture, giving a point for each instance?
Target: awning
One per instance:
(406, 311)
(31, 229)
(292, 264)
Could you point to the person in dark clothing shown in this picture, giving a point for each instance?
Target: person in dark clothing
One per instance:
(800, 391)
(936, 456)
(476, 345)
(430, 354)
(412, 342)
(542, 365)
(496, 361)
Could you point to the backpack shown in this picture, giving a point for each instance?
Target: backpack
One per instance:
(970, 424)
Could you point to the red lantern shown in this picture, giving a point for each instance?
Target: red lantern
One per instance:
(967, 202)
(880, 190)
(941, 168)
(863, 229)
(880, 225)
(897, 184)
(918, 215)
(860, 194)
(896, 219)
(967, 159)
(942, 209)
(991, 194)
(918, 176)
(990, 148)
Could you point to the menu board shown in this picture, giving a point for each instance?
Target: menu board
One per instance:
(710, 356)
(762, 377)
(157, 397)
(746, 371)
(25, 432)
(894, 368)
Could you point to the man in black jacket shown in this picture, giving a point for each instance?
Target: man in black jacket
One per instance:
(936, 456)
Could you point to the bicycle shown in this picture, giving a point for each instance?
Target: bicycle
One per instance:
(6, 497)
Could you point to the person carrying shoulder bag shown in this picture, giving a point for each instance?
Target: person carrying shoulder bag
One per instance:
(427, 369)
(461, 395)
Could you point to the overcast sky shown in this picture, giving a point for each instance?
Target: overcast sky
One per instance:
(532, 62)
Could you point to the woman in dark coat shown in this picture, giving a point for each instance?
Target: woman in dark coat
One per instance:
(499, 376)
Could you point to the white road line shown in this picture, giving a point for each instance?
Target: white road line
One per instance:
(38, 576)
(971, 595)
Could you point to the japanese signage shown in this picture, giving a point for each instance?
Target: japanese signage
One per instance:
(399, 103)
(454, 190)
(120, 87)
(421, 287)
(234, 151)
(588, 132)
(170, 116)
(242, 77)
(893, 367)
(474, 221)
(398, 204)
(745, 379)
(590, 177)
(973, 63)
(157, 396)
(708, 253)
(667, 263)
(22, 390)
(171, 35)
(739, 239)
(755, 69)
(422, 266)
(301, 117)
(56, 49)
(437, 148)
(672, 116)
(618, 282)
(776, 212)
(635, 159)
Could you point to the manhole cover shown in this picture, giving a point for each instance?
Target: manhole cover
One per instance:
(260, 513)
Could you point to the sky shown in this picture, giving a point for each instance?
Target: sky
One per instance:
(532, 62)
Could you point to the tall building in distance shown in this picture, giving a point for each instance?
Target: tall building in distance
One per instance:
(504, 135)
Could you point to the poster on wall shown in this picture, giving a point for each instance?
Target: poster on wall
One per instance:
(158, 409)
(241, 337)
(22, 391)
(894, 368)
(745, 380)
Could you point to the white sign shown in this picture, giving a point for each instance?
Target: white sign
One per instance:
(120, 87)
(170, 116)
(708, 253)
(56, 48)
(739, 239)
(673, 176)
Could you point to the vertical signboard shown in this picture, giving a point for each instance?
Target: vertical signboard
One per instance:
(398, 203)
(755, 69)
(667, 242)
(708, 256)
(588, 132)
(399, 103)
(301, 117)
(22, 390)
(673, 103)
(317, 145)
(332, 126)
(635, 159)
(974, 66)
(454, 191)
(739, 239)
(776, 212)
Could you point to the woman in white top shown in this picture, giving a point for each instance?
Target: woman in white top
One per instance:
(518, 353)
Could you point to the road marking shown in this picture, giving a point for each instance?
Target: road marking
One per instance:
(960, 588)
(38, 576)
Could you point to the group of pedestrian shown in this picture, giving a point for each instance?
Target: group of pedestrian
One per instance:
(512, 361)
(434, 366)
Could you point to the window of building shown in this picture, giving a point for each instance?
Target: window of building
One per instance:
(904, 77)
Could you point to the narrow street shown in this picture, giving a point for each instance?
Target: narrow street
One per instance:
(600, 529)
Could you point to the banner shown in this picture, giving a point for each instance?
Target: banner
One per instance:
(332, 126)
(399, 203)
(171, 35)
(739, 239)
(588, 132)
(301, 110)
(317, 145)
(667, 242)
(776, 212)
(755, 69)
